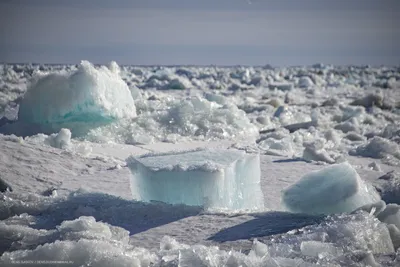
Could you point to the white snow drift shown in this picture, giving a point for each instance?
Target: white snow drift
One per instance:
(220, 179)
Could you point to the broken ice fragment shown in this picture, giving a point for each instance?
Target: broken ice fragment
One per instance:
(334, 189)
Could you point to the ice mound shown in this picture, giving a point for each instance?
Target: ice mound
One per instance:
(216, 179)
(77, 100)
(335, 189)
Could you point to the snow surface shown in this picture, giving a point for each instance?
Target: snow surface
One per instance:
(334, 189)
(71, 200)
(215, 179)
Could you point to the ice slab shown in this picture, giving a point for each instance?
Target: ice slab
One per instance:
(77, 99)
(334, 189)
(214, 178)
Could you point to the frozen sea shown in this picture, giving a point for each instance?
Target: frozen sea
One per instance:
(66, 132)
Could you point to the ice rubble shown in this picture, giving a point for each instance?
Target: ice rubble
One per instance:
(216, 179)
(172, 120)
(334, 189)
(61, 140)
(342, 240)
(77, 100)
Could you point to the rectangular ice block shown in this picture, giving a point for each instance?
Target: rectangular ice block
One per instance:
(220, 179)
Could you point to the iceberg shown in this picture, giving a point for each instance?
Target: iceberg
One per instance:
(77, 100)
(215, 179)
(335, 189)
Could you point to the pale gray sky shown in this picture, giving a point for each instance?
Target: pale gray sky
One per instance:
(222, 32)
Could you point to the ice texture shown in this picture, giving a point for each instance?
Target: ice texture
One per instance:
(47, 229)
(78, 99)
(378, 147)
(216, 179)
(173, 120)
(334, 189)
(318, 249)
(388, 186)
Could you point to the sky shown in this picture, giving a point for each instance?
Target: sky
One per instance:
(201, 32)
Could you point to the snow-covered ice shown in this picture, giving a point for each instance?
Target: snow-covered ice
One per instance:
(71, 200)
(215, 179)
(334, 189)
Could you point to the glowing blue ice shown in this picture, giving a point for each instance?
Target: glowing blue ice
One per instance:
(217, 179)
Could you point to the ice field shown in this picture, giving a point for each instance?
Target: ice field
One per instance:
(199, 166)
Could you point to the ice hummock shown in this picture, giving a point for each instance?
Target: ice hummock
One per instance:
(77, 99)
(334, 189)
(216, 179)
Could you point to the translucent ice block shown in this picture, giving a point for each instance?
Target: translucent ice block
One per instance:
(220, 179)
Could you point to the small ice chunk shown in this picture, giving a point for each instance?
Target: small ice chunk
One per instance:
(220, 99)
(330, 102)
(221, 179)
(369, 260)
(281, 86)
(83, 149)
(369, 101)
(314, 151)
(334, 189)
(259, 249)
(347, 126)
(332, 135)
(374, 208)
(375, 166)
(378, 147)
(60, 140)
(305, 82)
(394, 235)
(353, 136)
(275, 102)
(388, 186)
(391, 215)
(277, 147)
(319, 249)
